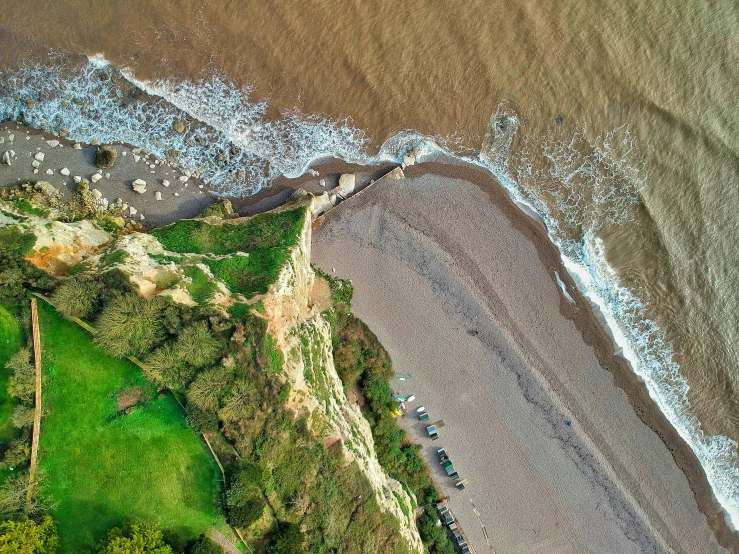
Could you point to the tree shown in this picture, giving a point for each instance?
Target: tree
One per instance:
(197, 347)
(22, 416)
(206, 390)
(17, 453)
(25, 536)
(136, 538)
(22, 384)
(241, 402)
(131, 325)
(287, 539)
(79, 297)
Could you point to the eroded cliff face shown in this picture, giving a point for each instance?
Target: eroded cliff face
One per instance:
(304, 337)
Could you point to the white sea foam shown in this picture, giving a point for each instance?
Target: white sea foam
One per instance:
(96, 102)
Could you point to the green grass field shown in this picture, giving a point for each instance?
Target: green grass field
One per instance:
(103, 467)
(11, 339)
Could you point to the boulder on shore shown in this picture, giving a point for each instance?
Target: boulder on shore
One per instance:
(6, 158)
(105, 157)
(139, 185)
(347, 181)
(179, 127)
(396, 174)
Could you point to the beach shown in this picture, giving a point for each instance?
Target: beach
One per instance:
(183, 197)
(462, 289)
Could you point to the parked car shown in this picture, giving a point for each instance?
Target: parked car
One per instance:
(431, 430)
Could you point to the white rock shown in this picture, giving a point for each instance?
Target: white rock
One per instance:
(183, 178)
(96, 194)
(176, 193)
(28, 138)
(77, 146)
(105, 203)
(322, 182)
(396, 174)
(139, 185)
(6, 158)
(165, 183)
(95, 178)
(77, 179)
(132, 211)
(11, 137)
(142, 217)
(64, 171)
(157, 195)
(12, 153)
(2, 140)
(136, 150)
(53, 143)
(107, 175)
(35, 164)
(136, 158)
(124, 206)
(346, 183)
(313, 172)
(39, 156)
(332, 199)
(35, 171)
(200, 186)
(50, 172)
(153, 172)
(124, 153)
(152, 166)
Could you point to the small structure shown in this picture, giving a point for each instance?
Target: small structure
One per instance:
(431, 430)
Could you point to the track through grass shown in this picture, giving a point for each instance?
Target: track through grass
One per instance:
(103, 466)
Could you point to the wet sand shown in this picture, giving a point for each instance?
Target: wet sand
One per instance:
(443, 255)
(190, 199)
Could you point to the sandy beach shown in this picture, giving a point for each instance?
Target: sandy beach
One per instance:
(462, 290)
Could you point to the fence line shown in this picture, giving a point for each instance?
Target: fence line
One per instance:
(37, 400)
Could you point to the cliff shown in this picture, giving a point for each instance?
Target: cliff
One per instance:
(304, 337)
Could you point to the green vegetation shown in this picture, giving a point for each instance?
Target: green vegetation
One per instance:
(202, 287)
(252, 274)
(25, 536)
(25, 207)
(252, 251)
(105, 465)
(260, 232)
(135, 538)
(115, 257)
(13, 240)
(11, 341)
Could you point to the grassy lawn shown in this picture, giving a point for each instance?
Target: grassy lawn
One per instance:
(11, 339)
(103, 466)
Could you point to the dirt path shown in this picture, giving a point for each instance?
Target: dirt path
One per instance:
(37, 399)
(218, 537)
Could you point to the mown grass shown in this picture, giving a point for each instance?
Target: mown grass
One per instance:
(104, 467)
(270, 230)
(11, 340)
(202, 287)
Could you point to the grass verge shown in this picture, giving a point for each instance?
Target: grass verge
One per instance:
(11, 340)
(105, 466)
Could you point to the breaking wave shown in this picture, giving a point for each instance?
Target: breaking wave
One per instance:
(576, 185)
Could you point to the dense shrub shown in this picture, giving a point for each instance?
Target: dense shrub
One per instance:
(27, 536)
(105, 157)
(138, 538)
(131, 325)
(22, 382)
(79, 297)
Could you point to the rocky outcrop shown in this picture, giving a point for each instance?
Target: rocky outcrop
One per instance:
(316, 386)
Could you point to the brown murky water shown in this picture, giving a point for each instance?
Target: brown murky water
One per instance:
(664, 74)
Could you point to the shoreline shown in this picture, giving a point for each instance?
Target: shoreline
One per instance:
(593, 330)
